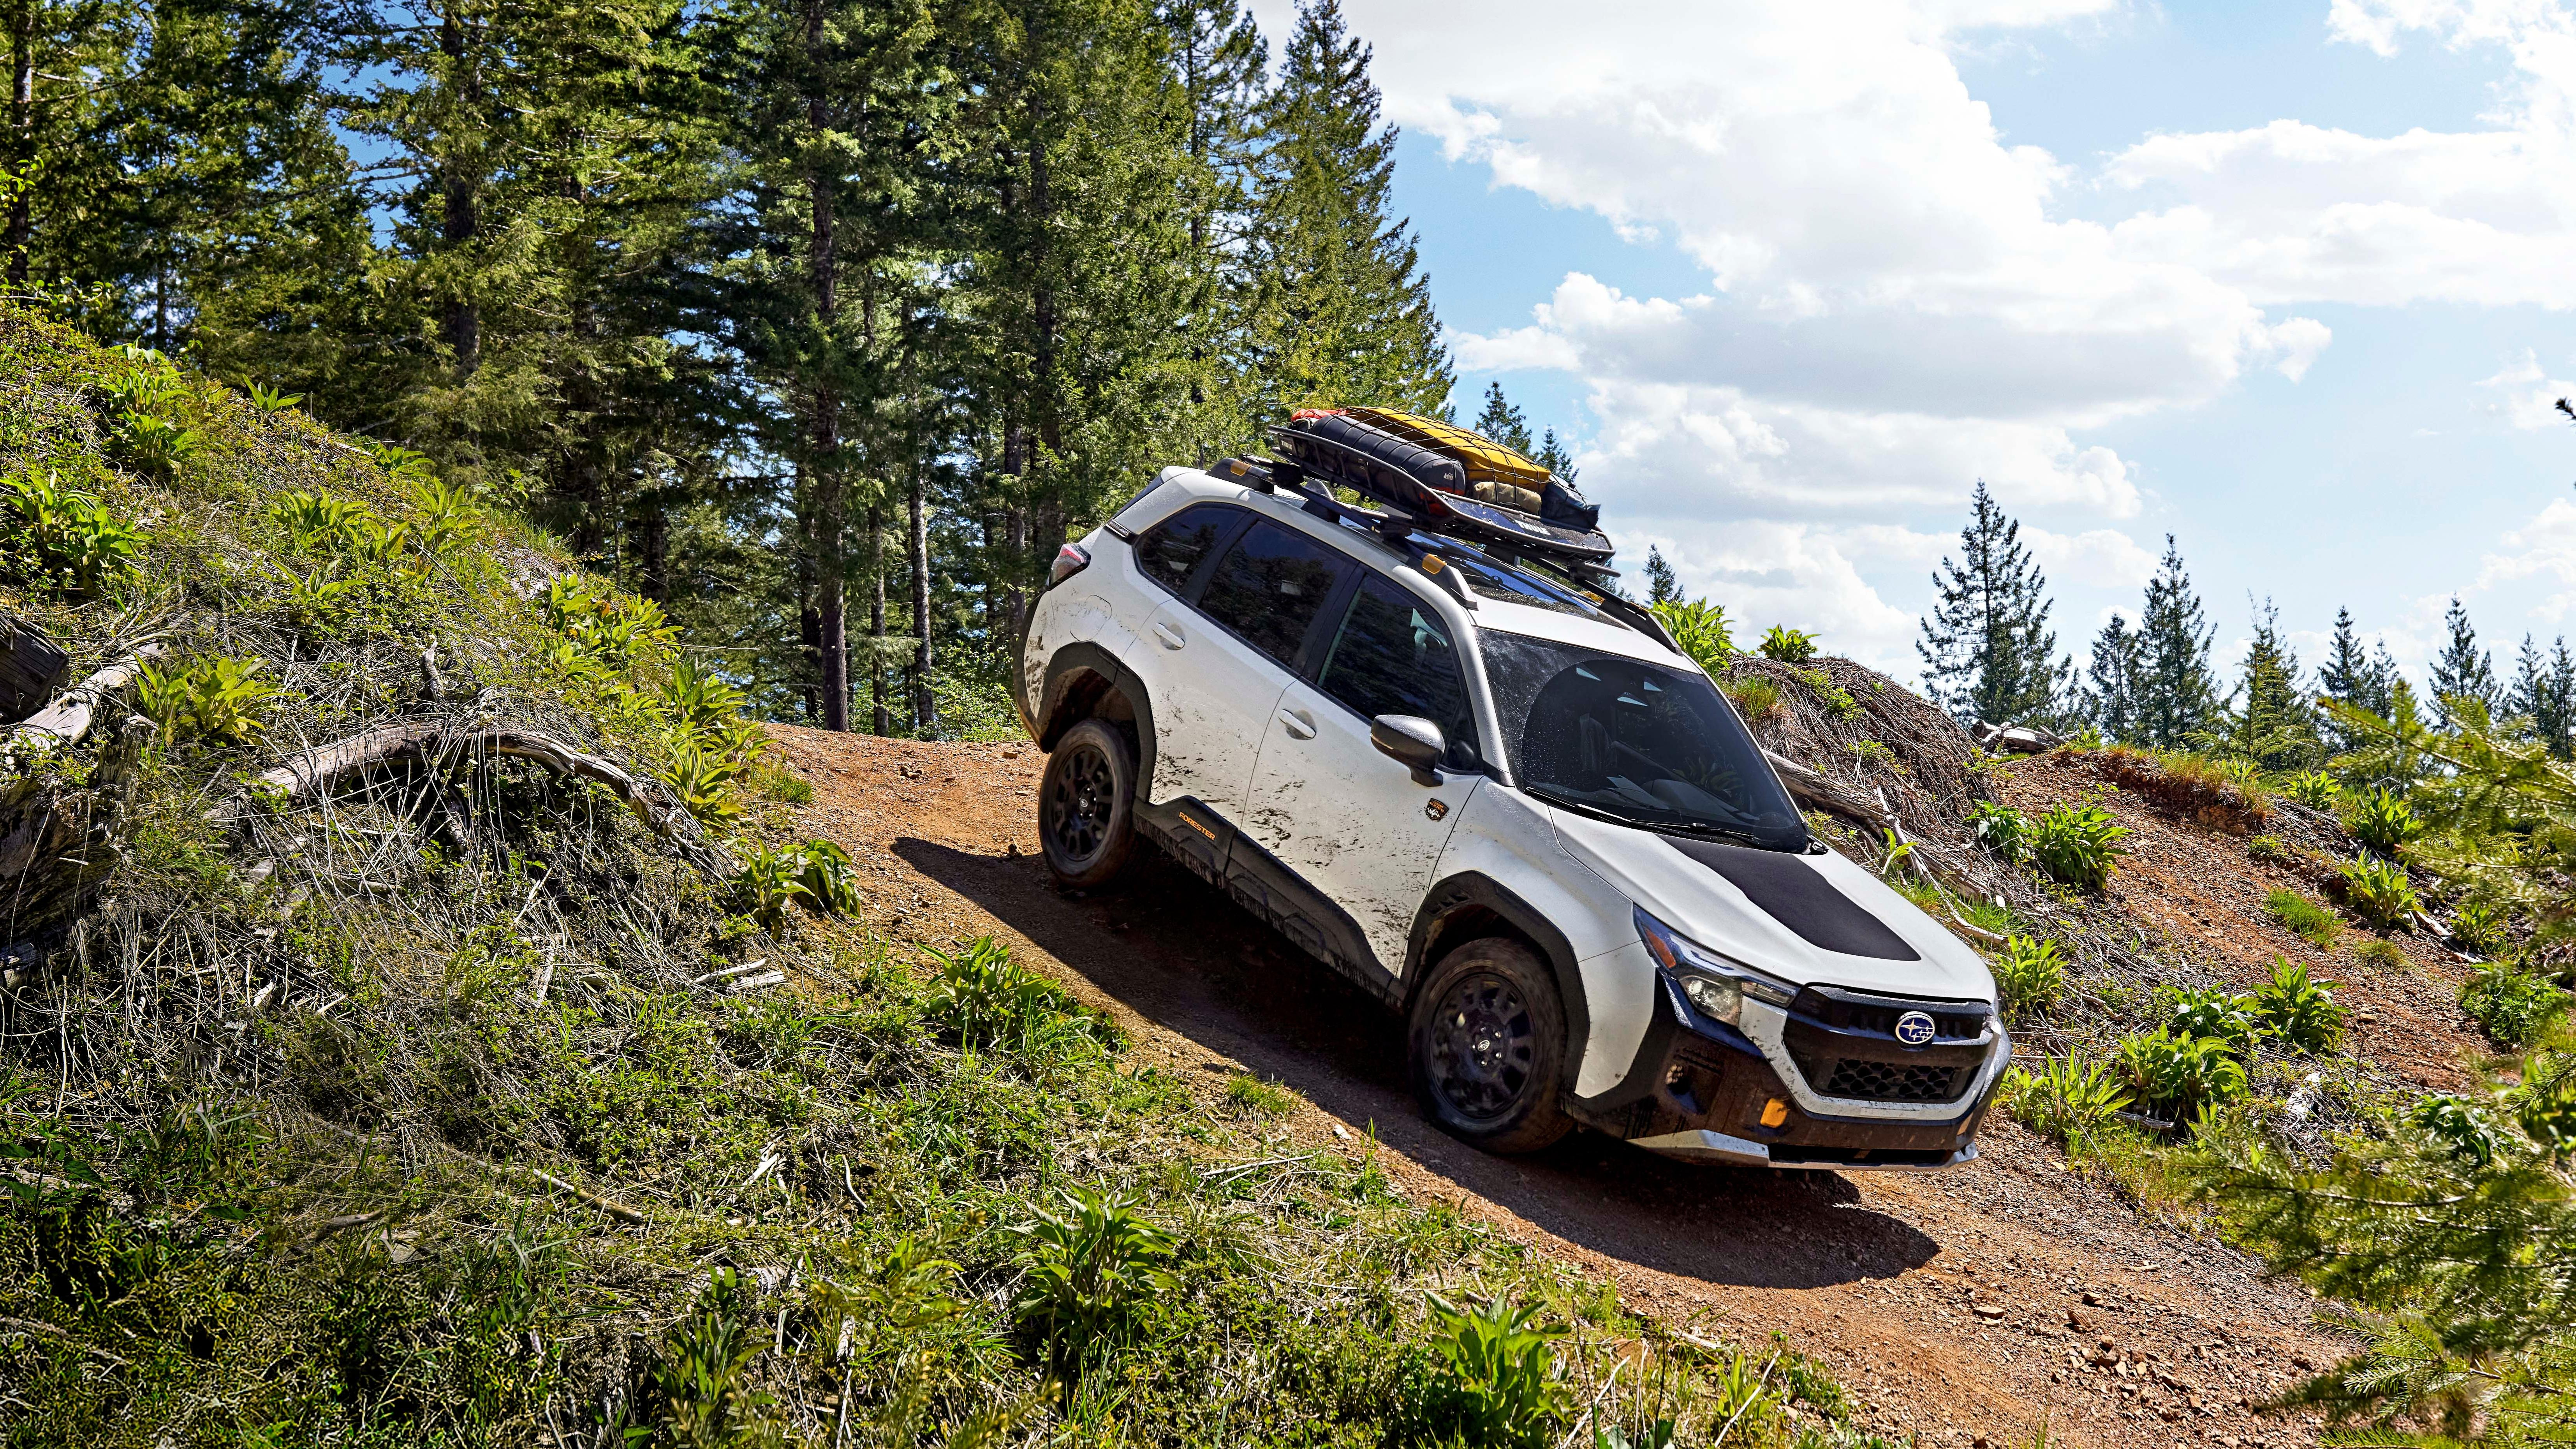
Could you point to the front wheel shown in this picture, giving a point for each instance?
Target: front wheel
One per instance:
(1087, 806)
(1488, 1048)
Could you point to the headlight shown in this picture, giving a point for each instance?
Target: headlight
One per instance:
(1715, 985)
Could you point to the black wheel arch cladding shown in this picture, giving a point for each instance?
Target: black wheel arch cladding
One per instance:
(1471, 906)
(1078, 677)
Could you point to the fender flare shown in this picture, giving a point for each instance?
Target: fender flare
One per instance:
(1065, 671)
(1474, 890)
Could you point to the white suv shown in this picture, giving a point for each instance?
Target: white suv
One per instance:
(1501, 801)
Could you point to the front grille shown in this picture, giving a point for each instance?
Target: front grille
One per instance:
(1853, 1011)
(1892, 1082)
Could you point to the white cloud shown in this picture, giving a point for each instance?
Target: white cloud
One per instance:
(2102, 558)
(1797, 574)
(2531, 394)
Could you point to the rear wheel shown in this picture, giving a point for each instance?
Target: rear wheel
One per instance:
(1488, 1048)
(1087, 806)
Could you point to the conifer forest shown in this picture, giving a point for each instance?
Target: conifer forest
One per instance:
(529, 918)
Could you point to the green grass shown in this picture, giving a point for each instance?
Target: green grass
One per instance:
(2305, 919)
(1250, 1096)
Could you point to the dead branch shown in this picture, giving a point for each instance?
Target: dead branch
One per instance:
(68, 718)
(1824, 793)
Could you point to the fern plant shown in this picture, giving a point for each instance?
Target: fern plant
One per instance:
(2029, 975)
(2066, 1100)
(2379, 892)
(1088, 1269)
(209, 698)
(1501, 1383)
(2077, 844)
(2299, 1012)
(63, 539)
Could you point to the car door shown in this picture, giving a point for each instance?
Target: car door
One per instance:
(1219, 663)
(1349, 820)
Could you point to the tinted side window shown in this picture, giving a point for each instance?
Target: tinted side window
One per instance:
(1170, 549)
(1393, 656)
(1269, 586)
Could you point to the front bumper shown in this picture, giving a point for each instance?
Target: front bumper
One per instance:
(1703, 1091)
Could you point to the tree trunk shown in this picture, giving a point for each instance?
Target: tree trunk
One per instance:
(831, 499)
(809, 619)
(883, 721)
(22, 134)
(463, 323)
(925, 713)
(653, 549)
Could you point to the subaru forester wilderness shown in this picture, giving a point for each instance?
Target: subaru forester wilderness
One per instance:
(1426, 744)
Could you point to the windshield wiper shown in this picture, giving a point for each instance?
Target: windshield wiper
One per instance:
(1702, 828)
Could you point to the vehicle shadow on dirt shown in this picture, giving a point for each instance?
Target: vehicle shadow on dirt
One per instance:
(1176, 951)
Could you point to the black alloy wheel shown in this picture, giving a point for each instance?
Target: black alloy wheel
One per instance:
(1489, 1049)
(1086, 806)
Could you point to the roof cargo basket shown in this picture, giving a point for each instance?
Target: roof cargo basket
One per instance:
(1448, 480)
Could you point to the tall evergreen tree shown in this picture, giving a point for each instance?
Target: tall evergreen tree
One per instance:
(2463, 671)
(1341, 312)
(2269, 718)
(2110, 700)
(2542, 696)
(1502, 422)
(1219, 60)
(2177, 692)
(1555, 456)
(2351, 675)
(1663, 586)
(1988, 653)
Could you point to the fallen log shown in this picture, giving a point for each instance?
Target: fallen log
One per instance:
(321, 768)
(1825, 793)
(68, 719)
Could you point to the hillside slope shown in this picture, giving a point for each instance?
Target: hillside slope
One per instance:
(424, 1022)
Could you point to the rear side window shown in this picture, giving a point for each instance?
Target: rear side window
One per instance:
(1169, 550)
(1269, 587)
(1393, 656)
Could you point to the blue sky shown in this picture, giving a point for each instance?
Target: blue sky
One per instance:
(2289, 282)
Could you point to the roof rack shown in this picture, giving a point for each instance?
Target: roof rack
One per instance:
(1447, 480)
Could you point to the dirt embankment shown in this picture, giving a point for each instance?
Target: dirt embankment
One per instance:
(1961, 1306)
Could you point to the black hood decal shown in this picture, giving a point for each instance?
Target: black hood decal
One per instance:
(1800, 898)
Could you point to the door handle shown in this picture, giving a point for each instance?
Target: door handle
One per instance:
(1170, 636)
(1299, 724)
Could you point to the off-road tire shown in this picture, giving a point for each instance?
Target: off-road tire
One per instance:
(1488, 1048)
(1087, 806)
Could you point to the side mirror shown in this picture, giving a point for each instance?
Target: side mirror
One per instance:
(1411, 741)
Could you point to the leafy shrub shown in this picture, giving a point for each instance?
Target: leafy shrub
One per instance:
(1087, 1270)
(697, 699)
(2466, 1130)
(2483, 927)
(2383, 821)
(703, 781)
(817, 873)
(2267, 850)
(2066, 1100)
(2213, 1014)
(2304, 918)
(2516, 1007)
(61, 538)
(271, 402)
(2316, 789)
(2298, 1012)
(828, 876)
(2379, 892)
(1702, 631)
(1756, 697)
(321, 522)
(701, 1393)
(984, 996)
(2001, 829)
(2029, 974)
(140, 400)
(1789, 646)
(209, 697)
(2077, 845)
(2180, 1074)
(602, 632)
(1499, 1386)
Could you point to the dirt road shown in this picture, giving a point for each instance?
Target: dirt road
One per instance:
(1961, 1306)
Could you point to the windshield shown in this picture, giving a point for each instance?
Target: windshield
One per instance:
(1627, 739)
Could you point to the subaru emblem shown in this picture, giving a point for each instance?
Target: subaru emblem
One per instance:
(1914, 1028)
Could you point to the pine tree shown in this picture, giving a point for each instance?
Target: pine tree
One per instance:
(2177, 692)
(2464, 671)
(1663, 586)
(2542, 697)
(2109, 701)
(2349, 674)
(1220, 62)
(1555, 456)
(1988, 653)
(1341, 311)
(2268, 719)
(1502, 422)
